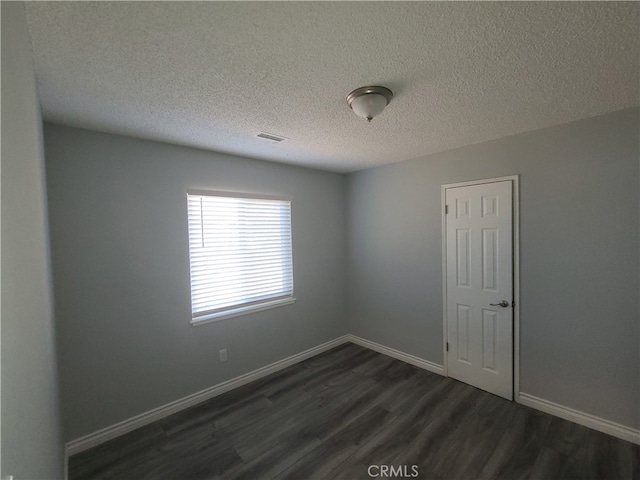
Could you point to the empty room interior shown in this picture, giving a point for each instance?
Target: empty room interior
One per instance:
(320, 240)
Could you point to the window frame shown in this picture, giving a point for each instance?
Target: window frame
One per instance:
(243, 308)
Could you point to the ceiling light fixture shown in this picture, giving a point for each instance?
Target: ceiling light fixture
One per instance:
(367, 102)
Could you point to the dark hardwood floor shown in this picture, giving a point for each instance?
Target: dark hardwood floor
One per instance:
(335, 415)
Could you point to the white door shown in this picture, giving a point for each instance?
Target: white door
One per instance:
(479, 271)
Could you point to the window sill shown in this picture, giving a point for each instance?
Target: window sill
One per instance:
(237, 312)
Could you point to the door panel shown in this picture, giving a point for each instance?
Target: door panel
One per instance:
(462, 339)
(479, 243)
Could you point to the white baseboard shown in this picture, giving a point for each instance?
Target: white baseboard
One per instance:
(581, 418)
(126, 426)
(391, 352)
(89, 441)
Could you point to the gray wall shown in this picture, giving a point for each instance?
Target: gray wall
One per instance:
(121, 272)
(122, 284)
(580, 329)
(31, 441)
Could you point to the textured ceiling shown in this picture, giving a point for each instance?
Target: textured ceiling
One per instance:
(215, 74)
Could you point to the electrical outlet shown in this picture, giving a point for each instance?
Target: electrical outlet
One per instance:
(223, 355)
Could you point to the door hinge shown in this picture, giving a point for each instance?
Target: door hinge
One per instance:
(446, 209)
(447, 346)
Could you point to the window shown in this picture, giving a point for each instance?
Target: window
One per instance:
(239, 253)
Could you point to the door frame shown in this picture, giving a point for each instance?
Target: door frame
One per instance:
(515, 182)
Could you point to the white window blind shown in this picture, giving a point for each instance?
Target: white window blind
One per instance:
(240, 254)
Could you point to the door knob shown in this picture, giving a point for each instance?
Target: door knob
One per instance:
(503, 304)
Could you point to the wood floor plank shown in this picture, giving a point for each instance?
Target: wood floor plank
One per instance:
(613, 458)
(476, 435)
(318, 375)
(287, 448)
(253, 440)
(93, 463)
(330, 453)
(405, 394)
(567, 437)
(549, 464)
(335, 415)
(196, 416)
(516, 452)
(392, 445)
(433, 443)
(340, 353)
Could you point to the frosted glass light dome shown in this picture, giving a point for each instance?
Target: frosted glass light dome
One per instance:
(368, 102)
